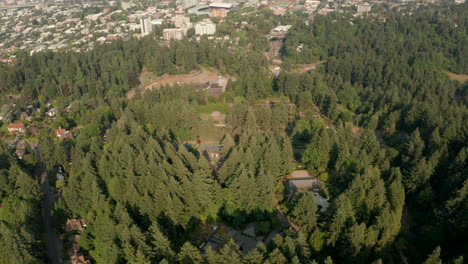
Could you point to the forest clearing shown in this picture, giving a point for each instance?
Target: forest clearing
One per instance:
(210, 127)
(458, 77)
(194, 77)
(307, 67)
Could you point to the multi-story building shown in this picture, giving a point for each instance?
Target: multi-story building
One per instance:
(146, 26)
(220, 9)
(221, 13)
(205, 27)
(174, 33)
(188, 2)
(363, 8)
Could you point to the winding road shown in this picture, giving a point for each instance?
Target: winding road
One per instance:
(54, 246)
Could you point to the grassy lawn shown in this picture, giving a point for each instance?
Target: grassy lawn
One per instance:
(208, 132)
(223, 108)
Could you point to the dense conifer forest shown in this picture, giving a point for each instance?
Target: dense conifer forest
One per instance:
(379, 124)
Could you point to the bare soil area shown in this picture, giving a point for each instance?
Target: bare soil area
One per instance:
(458, 77)
(203, 75)
(307, 67)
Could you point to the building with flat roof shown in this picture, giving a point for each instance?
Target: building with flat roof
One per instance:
(219, 12)
(146, 26)
(284, 28)
(188, 2)
(221, 5)
(157, 22)
(363, 8)
(219, 9)
(205, 27)
(174, 33)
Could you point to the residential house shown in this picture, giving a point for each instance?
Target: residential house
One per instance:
(20, 153)
(16, 127)
(75, 224)
(300, 181)
(60, 173)
(63, 133)
(25, 116)
(52, 112)
(76, 257)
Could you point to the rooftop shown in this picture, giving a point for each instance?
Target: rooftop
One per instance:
(16, 125)
(221, 5)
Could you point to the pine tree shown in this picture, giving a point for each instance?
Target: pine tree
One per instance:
(230, 253)
(317, 240)
(265, 185)
(305, 212)
(256, 256)
(211, 256)
(276, 257)
(328, 260)
(344, 214)
(189, 255)
(434, 257)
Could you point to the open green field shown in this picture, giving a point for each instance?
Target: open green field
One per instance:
(223, 108)
(208, 131)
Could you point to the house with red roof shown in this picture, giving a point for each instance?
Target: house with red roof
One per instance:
(63, 133)
(16, 127)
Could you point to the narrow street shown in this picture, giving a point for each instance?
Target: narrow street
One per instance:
(53, 244)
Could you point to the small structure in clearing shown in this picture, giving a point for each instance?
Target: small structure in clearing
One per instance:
(211, 152)
(301, 181)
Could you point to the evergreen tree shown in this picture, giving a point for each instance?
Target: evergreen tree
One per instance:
(434, 257)
(305, 213)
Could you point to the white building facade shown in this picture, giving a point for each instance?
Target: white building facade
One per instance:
(146, 26)
(205, 27)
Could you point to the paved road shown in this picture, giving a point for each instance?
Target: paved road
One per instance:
(53, 244)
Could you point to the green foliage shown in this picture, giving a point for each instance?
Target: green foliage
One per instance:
(143, 193)
(223, 108)
(19, 213)
(305, 213)
(434, 257)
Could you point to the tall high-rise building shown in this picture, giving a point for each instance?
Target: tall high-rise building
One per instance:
(146, 26)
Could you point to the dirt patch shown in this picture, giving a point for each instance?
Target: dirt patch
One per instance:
(218, 118)
(201, 76)
(356, 130)
(307, 67)
(458, 77)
